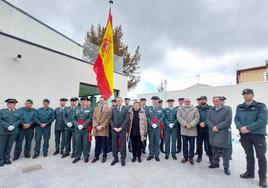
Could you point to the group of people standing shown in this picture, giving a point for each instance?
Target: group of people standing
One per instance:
(167, 129)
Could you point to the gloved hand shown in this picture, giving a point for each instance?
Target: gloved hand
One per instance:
(69, 124)
(154, 125)
(80, 127)
(11, 128)
(171, 125)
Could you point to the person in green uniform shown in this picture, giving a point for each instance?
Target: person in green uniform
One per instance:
(251, 121)
(155, 116)
(44, 118)
(202, 130)
(10, 120)
(82, 119)
(26, 130)
(69, 129)
(170, 129)
(59, 127)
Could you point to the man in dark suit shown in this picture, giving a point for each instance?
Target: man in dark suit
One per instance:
(119, 123)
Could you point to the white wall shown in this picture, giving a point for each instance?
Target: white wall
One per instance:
(43, 74)
(233, 93)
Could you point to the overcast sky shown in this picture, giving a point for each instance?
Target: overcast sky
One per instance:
(179, 38)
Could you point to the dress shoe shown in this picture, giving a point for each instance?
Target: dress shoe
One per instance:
(61, 152)
(94, 160)
(56, 152)
(247, 175)
(199, 159)
(104, 159)
(75, 160)
(65, 155)
(133, 159)
(191, 161)
(227, 171)
(214, 166)
(150, 158)
(174, 157)
(8, 162)
(27, 156)
(123, 162)
(73, 155)
(157, 158)
(86, 160)
(35, 156)
(16, 157)
(166, 157)
(184, 160)
(45, 155)
(139, 159)
(262, 183)
(114, 162)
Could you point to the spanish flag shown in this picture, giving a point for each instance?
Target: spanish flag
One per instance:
(104, 65)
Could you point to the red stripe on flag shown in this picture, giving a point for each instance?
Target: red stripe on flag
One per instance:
(102, 82)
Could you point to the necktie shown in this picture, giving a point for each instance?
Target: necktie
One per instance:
(101, 109)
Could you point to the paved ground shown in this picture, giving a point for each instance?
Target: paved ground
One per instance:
(61, 173)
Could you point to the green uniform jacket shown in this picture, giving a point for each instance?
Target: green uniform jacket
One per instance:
(69, 116)
(27, 116)
(59, 123)
(46, 116)
(9, 118)
(157, 113)
(254, 117)
(170, 116)
(203, 111)
(84, 114)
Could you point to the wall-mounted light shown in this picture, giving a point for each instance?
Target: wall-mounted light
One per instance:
(17, 58)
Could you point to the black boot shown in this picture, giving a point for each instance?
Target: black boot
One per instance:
(247, 175)
(227, 171)
(56, 152)
(214, 166)
(16, 157)
(263, 183)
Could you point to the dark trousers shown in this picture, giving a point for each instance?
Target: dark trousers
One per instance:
(119, 144)
(28, 135)
(101, 143)
(136, 146)
(69, 135)
(82, 145)
(144, 144)
(59, 140)
(39, 134)
(6, 143)
(258, 142)
(203, 137)
(223, 152)
(179, 139)
(188, 146)
(110, 140)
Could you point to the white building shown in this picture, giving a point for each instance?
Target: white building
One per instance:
(38, 62)
(233, 93)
